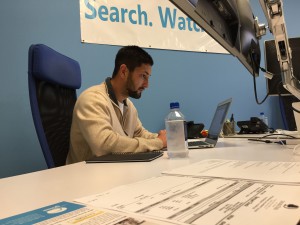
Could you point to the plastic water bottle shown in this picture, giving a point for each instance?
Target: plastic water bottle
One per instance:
(264, 118)
(176, 133)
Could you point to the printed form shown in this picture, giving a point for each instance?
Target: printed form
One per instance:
(181, 197)
(263, 171)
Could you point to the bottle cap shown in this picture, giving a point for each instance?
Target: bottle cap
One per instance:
(262, 113)
(174, 105)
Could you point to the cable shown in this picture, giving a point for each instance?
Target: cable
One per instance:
(295, 152)
(254, 82)
(265, 71)
(255, 93)
(296, 110)
(280, 99)
(281, 142)
(285, 135)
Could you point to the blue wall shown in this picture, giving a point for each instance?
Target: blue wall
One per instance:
(197, 80)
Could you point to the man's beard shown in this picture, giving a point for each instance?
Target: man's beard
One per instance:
(129, 86)
(134, 94)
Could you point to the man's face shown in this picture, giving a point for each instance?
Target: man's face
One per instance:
(138, 81)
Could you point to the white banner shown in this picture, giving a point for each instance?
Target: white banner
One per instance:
(149, 24)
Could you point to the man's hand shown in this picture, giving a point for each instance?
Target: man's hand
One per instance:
(162, 135)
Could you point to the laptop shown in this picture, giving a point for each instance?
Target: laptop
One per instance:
(215, 127)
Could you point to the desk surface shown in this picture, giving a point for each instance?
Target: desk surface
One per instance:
(34, 190)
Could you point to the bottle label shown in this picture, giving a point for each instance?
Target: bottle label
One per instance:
(176, 135)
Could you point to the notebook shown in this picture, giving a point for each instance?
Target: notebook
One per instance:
(126, 157)
(215, 127)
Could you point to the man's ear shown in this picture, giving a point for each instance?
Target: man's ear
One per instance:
(123, 71)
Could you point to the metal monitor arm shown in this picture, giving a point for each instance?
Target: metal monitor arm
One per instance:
(273, 10)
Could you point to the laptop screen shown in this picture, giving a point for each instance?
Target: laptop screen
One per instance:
(218, 120)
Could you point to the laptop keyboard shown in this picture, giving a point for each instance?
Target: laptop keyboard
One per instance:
(197, 143)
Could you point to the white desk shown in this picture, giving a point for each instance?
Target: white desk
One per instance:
(34, 190)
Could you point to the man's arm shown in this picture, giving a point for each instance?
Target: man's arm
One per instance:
(142, 132)
(162, 135)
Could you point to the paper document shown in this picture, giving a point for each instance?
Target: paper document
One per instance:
(208, 201)
(269, 172)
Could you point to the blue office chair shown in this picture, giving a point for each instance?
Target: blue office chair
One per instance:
(53, 79)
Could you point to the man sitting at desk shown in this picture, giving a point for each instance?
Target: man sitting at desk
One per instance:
(105, 120)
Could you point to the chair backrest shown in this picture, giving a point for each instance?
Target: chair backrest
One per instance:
(53, 79)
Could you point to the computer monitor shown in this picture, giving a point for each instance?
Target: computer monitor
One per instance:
(231, 23)
(274, 85)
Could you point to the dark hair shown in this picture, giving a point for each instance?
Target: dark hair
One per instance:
(132, 56)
